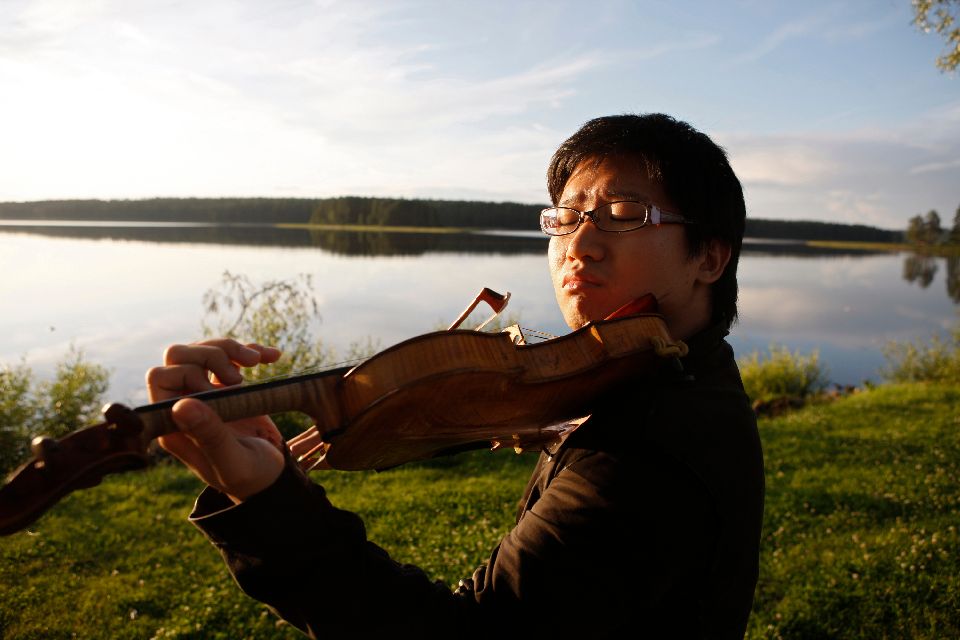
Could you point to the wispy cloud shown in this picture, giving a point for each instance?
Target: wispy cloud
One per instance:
(691, 42)
(936, 166)
(871, 176)
(826, 23)
(774, 40)
(855, 28)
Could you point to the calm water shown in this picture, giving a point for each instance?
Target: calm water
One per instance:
(122, 294)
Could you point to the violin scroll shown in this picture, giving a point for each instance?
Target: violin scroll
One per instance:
(77, 461)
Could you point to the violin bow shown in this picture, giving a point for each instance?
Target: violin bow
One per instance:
(496, 301)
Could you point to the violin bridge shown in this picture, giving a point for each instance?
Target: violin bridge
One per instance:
(516, 334)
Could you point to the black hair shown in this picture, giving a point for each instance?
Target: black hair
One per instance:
(693, 172)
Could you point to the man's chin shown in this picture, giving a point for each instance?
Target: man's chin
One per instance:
(577, 316)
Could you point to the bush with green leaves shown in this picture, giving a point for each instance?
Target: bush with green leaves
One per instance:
(72, 399)
(934, 360)
(782, 374)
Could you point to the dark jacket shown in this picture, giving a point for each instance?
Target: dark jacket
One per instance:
(645, 522)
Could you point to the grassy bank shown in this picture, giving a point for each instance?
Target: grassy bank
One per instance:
(860, 537)
(864, 246)
(942, 250)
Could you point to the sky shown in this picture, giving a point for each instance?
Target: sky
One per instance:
(829, 111)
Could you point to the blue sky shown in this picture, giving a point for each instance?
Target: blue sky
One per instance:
(828, 110)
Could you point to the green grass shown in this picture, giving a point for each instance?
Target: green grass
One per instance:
(860, 535)
(120, 560)
(860, 532)
(943, 250)
(865, 246)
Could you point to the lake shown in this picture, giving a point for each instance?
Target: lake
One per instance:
(122, 293)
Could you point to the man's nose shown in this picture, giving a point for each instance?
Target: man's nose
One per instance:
(587, 241)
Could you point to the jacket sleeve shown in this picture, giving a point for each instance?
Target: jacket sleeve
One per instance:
(311, 562)
(581, 545)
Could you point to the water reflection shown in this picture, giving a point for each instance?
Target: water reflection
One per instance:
(918, 269)
(364, 243)
(338, 242)
(392, 286)
(921, 269)
(953, 278)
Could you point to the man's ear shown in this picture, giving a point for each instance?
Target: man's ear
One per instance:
(713, 260)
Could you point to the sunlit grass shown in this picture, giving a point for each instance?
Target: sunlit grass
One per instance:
(865, 246)
(943, 250)
(860, 534)
(121, 561)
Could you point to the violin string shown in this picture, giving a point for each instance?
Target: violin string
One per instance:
(536, 333)
(320, 368)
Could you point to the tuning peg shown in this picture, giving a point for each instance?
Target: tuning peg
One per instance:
(43, 447)
(123, 418)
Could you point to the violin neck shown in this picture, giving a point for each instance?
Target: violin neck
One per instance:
(314, 394)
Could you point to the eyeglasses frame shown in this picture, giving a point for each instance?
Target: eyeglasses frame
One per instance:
(655, 216)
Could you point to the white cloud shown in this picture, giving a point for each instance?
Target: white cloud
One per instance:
(294, 100)
(935, 166)
(780, 161)
(775, 39)
(868, 176)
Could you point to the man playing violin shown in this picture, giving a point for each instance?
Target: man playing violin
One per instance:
(645, 522)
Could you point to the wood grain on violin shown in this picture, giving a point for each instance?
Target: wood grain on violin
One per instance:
(427, 396)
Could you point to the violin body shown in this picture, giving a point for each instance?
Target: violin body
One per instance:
(481, 389)
(430, 395)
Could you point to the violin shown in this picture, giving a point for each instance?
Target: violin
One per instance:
(434, 394)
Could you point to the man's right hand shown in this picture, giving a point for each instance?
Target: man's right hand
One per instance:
(238, 458)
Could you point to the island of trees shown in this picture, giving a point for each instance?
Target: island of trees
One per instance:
(928, 232)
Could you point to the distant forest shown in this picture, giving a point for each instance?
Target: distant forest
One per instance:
(355, 210)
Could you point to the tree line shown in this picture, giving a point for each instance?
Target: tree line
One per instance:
(364, 211)
(209, 210)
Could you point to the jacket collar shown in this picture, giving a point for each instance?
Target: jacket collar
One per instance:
(707, 350)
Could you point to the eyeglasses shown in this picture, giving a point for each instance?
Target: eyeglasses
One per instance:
(615, 217)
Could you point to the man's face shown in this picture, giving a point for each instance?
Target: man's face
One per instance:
(596, 272)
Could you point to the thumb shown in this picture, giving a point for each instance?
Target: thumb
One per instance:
(203, 426)
(237, 466)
